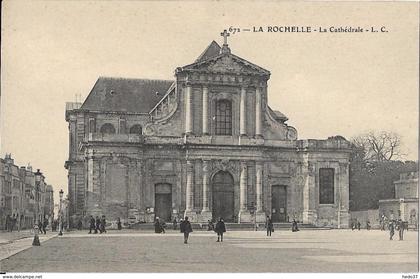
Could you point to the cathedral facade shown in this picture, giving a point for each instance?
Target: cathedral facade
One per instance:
(206, 145)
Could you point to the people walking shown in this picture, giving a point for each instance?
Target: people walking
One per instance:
(92, 224)
(368, 225)
(186, 228)
(391, 229)
(269, 226)
(158, 227)
(400, 228)
(119, 224)
(220, 229)
(294, 226)
(103, 224)
(97, 224)
(175, 224)
(358, 225)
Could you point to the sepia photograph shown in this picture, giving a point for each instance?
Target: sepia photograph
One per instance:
(209, 137)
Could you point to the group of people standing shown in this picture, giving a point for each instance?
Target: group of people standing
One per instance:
(97, 224)
(398, 225)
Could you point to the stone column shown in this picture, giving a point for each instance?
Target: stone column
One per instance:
(205, 110)
(258, 132)
(188, 109)
(309, 211)
(258, 182)
(205, 212)
(205, 185)
(189, 191)
(244, 214)
(243, 112)
(343, 188)
(243, 188)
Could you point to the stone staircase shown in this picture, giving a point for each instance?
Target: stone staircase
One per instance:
(231, 226)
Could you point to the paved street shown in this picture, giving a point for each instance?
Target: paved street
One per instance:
(242, 251)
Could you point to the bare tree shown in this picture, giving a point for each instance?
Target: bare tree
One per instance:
(379, 146)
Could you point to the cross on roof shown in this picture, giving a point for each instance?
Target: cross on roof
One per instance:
(225, 34)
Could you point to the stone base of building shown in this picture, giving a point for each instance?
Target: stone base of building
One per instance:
(193, 217)
(309, 217)
(260, 217)
(245, 217)
(344, 220)
(205, 216)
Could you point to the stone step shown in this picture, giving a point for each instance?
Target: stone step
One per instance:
(229, 226)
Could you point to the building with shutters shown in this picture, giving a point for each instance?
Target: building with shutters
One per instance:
(204, 145)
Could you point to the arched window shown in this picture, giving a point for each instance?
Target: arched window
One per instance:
(136, 129)
(107, 128)
(223, 117)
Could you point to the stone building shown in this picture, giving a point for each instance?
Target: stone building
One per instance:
(406, 202)
(22, 194)
(204, 145)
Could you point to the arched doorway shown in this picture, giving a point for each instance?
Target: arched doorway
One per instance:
(222, 196)
(163, 201)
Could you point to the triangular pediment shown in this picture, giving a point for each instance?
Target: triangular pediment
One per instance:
(226, 63)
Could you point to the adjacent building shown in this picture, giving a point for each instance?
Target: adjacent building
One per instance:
(406, 202)
(24, 195)
(204, 145)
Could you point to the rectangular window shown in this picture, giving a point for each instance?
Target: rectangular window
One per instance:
(92, 125)
(223, 118)
(122, 126)
(326, 186)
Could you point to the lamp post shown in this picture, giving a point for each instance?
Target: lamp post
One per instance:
(36, 242)
(60, 214)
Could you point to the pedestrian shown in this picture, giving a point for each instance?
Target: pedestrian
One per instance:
(41, 227)
(269, 226)
(158, 227)
(97, 224)
(80, 224)
(368, 225)
(44, 225)
(186, 228)
(92, 224)
(103, 224)
(162, 226)
(210, 225)
(391, 229)
(119, 223)
(400, 228)
(175, 224)
(181, 221)
(358, 225)
(294, 226)
(220, 229)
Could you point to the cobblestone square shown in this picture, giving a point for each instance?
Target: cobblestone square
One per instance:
(241, 251)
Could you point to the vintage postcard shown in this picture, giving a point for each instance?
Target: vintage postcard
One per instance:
(209, 137)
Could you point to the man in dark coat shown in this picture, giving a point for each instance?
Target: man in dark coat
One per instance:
(92, 224)
(368, 225)
(158, 226)
(391, 229)
(103, 224)
(44, 225)
(220, 229)
(269, 226)
(97, 224)
(294, 226)
(186, 228)
(119, 223)
(358, 225)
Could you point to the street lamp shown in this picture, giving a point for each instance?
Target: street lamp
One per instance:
(36, 242)
(60, 214)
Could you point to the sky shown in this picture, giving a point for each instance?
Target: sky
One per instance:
(325, 83)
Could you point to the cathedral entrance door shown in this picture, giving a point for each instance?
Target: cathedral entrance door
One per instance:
(278, 203)
(222, 196)
(163, 201)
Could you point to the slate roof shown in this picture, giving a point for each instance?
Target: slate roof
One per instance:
(211, 51)
(125, 94)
